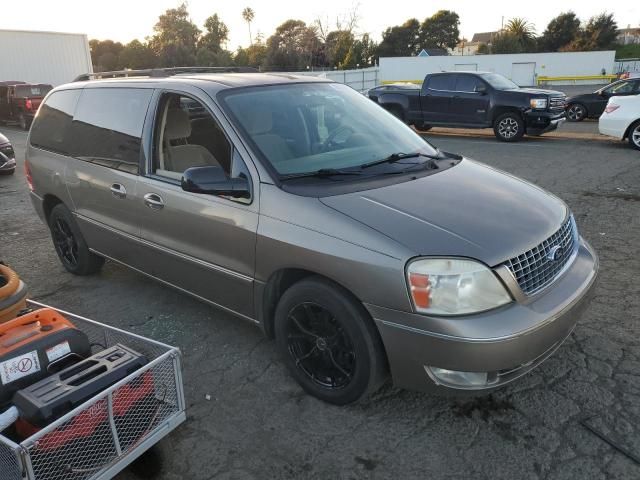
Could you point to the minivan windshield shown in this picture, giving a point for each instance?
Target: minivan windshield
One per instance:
(320, 127)
(499, 82)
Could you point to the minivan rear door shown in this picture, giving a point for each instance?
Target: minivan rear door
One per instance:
(203, 244)
(103, 175)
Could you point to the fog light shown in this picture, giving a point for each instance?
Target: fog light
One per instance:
(457, 379)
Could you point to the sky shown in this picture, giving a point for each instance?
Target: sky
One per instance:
(124, 20)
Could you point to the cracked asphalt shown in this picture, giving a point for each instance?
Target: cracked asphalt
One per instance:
(248, 419)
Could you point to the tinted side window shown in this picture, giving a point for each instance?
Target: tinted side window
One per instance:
(442, 82)
(107, 126)
(51, 128)
(467, 83)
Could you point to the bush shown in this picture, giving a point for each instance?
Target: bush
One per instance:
(628, 51)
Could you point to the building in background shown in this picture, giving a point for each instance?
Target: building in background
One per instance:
(43, 57)
(629, 36)
(465, 47)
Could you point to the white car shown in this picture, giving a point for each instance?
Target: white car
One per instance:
(621, 119)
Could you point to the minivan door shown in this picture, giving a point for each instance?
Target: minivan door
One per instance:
(200, 243)
(103, 175)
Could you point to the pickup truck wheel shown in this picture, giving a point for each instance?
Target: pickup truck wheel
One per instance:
(508, 127)
(422, 127)
(70, 245)
(634, 135)
(329, 342)
(576, 112)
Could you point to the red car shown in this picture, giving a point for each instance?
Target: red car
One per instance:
(19, 101)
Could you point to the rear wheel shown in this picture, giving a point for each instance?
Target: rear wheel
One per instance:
(329, 342)
(634, 135)
(576, 112)
(508, 127)
(70, 245)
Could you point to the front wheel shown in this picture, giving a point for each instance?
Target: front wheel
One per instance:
(576, 112)
(329, 343)
(634, 135)
(422, 127)
(508, 127)
(70, 245)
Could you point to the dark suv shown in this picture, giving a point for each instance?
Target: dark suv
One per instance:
(19, 101)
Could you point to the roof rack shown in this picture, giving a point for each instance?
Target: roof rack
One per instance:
(161, 72)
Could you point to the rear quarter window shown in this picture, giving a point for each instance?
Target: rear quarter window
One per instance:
(107, 126)
(51, 127)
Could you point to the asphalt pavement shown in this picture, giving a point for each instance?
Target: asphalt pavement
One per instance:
(247, 419)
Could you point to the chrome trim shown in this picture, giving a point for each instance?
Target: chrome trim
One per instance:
(183, 256)
(169, 284)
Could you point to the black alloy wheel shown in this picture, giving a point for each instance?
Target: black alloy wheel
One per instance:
(320, 346)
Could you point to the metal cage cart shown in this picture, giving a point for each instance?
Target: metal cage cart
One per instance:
(99, 439)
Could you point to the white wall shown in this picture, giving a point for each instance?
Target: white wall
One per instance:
(358, 79)
(544, 64)
(43, 57)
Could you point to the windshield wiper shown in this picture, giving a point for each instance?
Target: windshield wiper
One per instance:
(323, 172)
(395, 157)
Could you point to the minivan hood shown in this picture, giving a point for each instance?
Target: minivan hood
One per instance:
(469, 210)
(3, 139)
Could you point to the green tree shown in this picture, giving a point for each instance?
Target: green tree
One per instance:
(137, 55)
(206, 57)
(560, 32)
(293, 46)
(401, 40)
(248, 15)
(600, 33)
(506, 42)
(336, 47)
(523, 32)
(104, 54)
(483, 49)
(175, 38)
(362, 53)
(217, 33)
(440, 30)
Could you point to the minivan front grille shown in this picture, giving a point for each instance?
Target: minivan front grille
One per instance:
(540, 266)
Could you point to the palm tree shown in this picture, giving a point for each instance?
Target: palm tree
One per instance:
(521, 29)
(248, 14)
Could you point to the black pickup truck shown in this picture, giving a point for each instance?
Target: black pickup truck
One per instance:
(476, 100)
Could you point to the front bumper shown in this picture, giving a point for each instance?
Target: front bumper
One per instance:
(538, 122)
(7, 165)
(505, 343)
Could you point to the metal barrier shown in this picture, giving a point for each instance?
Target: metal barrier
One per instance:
(590, 78)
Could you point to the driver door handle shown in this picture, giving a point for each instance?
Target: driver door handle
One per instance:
(154, 201)
(118, 190)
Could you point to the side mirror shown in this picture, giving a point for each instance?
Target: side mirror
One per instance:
(213, 180)
(481, 89)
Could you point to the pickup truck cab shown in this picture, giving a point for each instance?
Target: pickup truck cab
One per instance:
(477, 100)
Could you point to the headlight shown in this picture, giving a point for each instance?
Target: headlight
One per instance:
(538, 103)
(452, 286)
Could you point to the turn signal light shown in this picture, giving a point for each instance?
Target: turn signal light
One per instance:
(420, 290)
(611, 108)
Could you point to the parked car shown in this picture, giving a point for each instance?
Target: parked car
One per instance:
(591, 105)
(477, 100)
(299, 205)
(7, 157)
(19, 102)
(621, 119)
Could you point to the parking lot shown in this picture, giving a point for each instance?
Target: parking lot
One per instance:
(248, 419)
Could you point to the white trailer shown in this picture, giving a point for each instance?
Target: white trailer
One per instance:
(43, 57)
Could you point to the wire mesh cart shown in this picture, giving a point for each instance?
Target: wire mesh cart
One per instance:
(104, 435)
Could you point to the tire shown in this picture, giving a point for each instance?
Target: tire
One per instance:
(576, 112)
(422, 127)
(508, 127)
(70, 245)
(329, 342)
(634, 135)
(24, 123)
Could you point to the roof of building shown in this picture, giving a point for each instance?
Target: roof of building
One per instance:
(484, 37)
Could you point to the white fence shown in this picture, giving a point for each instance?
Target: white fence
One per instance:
(360, 79)
(628, 65)
(524, 69)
